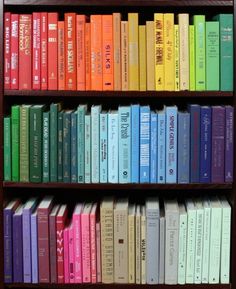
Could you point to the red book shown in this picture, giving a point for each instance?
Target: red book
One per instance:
(70, 49)
(60, 225)
(14, 51)
(52, 51)
(44, 51)
(7, 50)
(36, 50)
(88, 56)
(80, 40)
(25, 52)
(61, 56)
(43, 212)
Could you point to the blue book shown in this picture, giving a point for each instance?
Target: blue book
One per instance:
(124, 115)
(135, 110)
(194, 110)
(87, 148)
(60, 147)
(153, 160)
(205, 147)
(161, 147)
(183, 147)
(74, 159)
(67, 146)
(144, 144)
(34, 247)
(171, 144)
(103, 147)
(113, 161)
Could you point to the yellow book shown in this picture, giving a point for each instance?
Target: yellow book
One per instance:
(150, 55)
(116, 45)
(124, 56)
(133, 51)
(159, 50)
(169, 53)
(131, 241)
(176, 57)
(192, 57)
(142, 59)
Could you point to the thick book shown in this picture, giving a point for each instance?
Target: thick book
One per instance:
(93, 241)
(206, 240)
(138, 244)
(117, 50)
(14, 50)
(229, 143)
(45, 147)
(150, 55)
(182, 253)
(153, 147)
(73, 149)
(87, 151)
(44, 50)
(131, 243)
(80, 51)
(7, 50)
(66, 159)
(103, 147)
(161, 147)
(113, 147)
(61, 55)
(36, 53)
(135, 129)
(124, 56)
(15, 142)
(7, 148)
(142, 58)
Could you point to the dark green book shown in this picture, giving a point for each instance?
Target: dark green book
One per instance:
(67, 146)
(46, 127)
(60, 147)
(15, 137)
(36, 142)
(7, 148)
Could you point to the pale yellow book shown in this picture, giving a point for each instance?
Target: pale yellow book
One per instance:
(138, 244)
(150, 55)
(107, 239)
(142, 58)
(176, 57)
(117, 50)
(124, 56)
(169, 52)
(143, 245)
(159, 51)
(131, 234)
(184, 51)
(133, 51)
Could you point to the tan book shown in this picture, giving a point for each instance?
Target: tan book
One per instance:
(142, 58)
(131, 247)
(107, 248)
(124, 56)
(143, 245)
(121, 241)
(184, 51)
(117, 50)
(150, 55)
(138, 244)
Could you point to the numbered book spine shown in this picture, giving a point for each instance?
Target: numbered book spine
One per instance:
(135, 119)
(153, 148)
(87, 144)
(14, 50)
(229, 142)
(113, 147)
(46, 125)
(7, 149)
(103, 148)
(192, 72)
(15, 132)
(74, 159)
(161, 148)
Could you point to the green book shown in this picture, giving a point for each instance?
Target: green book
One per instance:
(200, 51)
(192, 58)
(226, 51)
(36, 140)
(67, 146)
(212, 56)
(87, 134)
(80, 140)
(24, 143)
(7, 148)
(15, 137)
(46, 126)
(60, 147)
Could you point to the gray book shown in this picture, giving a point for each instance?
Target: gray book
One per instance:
(162, 248)
(153, 223)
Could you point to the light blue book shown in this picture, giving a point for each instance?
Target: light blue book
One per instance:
(81, 111)
(124, 114)
(95, 115)
(144, 144)
(103, 147)
(87, 149)
(153, 160)
(113, 146)
(171, 144)
(73, 144)
(135, 111)
(34, 247)
(161, 147)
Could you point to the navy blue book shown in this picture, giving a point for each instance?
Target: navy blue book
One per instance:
(74, 147)
(67, 146)
(194, 110)
(60, 147)
(205, 148)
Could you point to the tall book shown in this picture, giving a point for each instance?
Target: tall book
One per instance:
(80, 51)
(142, 58)
(87, 56)
(45, 146)
(44, 50)
(117, 50)
(138, 244)
(192, 72)
(66, 254)
(161, 147)
(15, 141)
(7, 148)
(34, 246)
(93, 219)
(229, 142)
(135, 129)
(14, 50)
(182, 244)
(206, 240)
(66, 159)
(150, 55)
(103, 126)
(36, 50)
(162, 247)
(176, 58)
(113, 147)
(124, 56)
(60, 145)
(7, 50)
(143, 245)
(153, 147)
(61, 55)
(131, 246)
(98, 249)
(73, 145)
(87, 145)
(71, 254)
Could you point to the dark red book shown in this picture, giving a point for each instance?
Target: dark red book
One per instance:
(14, 51)
(44, 51)
(36, 50)
(7, 50)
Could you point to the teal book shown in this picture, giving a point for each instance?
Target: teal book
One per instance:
(60, 147)
(67, 146)
(103, 147)
(200, 51)
(36, 118)
(226, 51)
(7, 148)
(46, 124)
(87, 145)
(212, 56)
(15, 134)
(124, 135)
(81, 111)
(74, 158)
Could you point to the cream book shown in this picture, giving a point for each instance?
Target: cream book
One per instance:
(143, 245)
(206, 240)
(124, 56)
(138, 244)
(131, 246)
(182, 244)
(150, 55)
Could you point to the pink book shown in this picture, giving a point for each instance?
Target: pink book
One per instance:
(71, 254)
(14, 51)
(7, 50)
(93, 243)
(98, 247)
(86, 265)
(66, 255)
(44, 50)
(77, 242)
(36, 50)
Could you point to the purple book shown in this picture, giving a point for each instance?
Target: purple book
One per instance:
(17, 245)
(7, 218)
(229, 143)
(27, 211)
(218, 144)
(34, 248)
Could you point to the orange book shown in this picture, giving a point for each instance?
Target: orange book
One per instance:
(80, 43)
(70, 51)
(88, 56)
(107, 50)
(96, 52)
(117, 50)
(61, 56)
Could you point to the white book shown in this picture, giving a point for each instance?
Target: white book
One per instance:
(113, 147)
(138, 244)
(162, 248)
(143, 245)
(183, 220)
(131, 246)
(191, 239)
(225, 242)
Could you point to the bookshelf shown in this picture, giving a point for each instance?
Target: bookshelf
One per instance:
(9, 97)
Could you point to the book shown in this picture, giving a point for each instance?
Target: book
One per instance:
(162, 247)
(34, 246)
(15, 141)
(98, 249)
(150, 55)
(117, 50)
(59, 136)
(206, 240)
(7, 50)
(87, 145)
(44, 50)
(143, 244)
(113, 147)
(7, 148)
(192, 72)
(229, 142)
(103, 147)
(142, 58)
(45, 147)
(73, 150)
(71, 253)
(182, 244)
(138, 244)
(124, 56)
(14, 51)
(153, 147)
(131, 243)
(61, 55)
(66, 158)
(93, 244)
(80, 51)
(66, 255)
(161, 147)
(176, 60)
(87, 56)
(135, 130)
(36, 53)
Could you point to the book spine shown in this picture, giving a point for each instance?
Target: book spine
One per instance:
(191, 240)
(117, 50)
(66, 159)
(80, 43)
(199, 246)
(142, 59)
(46, 129)
(150, 55)
(113, 148)
(162, 251)
(36, 51)
(184, 51)
(74, 158)
(176, 53)
(153, 149)
(182, 248)
(7, 149)
(53, 142)
(98, 249)
(77, 248)
(60, 147)
(229, 142)
(161, 148)
(135, 116)
(192, 79)
(103, 148)
(60, 249)
(87, 145)
(53, 248)
(8, 272)
(14, 51)
(124, 56)
(44, 51)
(93, 250)
(88, 56)
(26, 245)
(15, 133)
(7, 50)
(17, 249)
(85, 243)
(131, 248)
(66, 255)
(34, 250)
(61, 55)
(71, 255)
(81, 143)
(143, 249)
(138, 249)
(206, 244)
